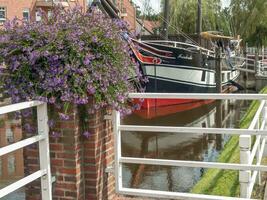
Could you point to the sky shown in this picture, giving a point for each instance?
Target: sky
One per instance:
(155, 4)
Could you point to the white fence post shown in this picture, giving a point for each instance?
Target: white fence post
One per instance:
(46, 183)
(117, 148)
(244, 176)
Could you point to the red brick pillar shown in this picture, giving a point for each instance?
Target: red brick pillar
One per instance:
(66, 151)
(78, 163)
(98, 155)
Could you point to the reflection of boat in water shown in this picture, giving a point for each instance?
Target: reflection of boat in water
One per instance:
(197, 118)
(157, 110)
(172, 146)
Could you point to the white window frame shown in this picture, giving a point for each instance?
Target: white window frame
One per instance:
(26, 10)
(37, 16)
(2, 20)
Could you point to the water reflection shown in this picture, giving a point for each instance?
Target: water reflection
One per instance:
(183, 146)
(11, 165)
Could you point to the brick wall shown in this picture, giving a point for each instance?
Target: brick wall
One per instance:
(125, 6)
(15, 8)
(77, 163)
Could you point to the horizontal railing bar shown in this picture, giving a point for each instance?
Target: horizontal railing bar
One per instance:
(184, 163)
(262, 145)
(252, 182)
(19, 106)
(172, 129)
(256, 143)
(255, 173)
(20, 144)
(199, 96)
(254, 149)
(173, 195)
(20, 183)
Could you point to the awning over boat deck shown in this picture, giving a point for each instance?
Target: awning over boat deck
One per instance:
(211, 35)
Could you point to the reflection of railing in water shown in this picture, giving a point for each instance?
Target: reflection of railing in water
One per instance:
(11, 165)
(246, 180)
(42, 139)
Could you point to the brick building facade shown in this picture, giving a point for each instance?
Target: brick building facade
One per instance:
(127, 12)
(27, 9)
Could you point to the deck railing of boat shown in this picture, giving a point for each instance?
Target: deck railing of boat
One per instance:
(251, 153)
(262, 68)
(176, 44)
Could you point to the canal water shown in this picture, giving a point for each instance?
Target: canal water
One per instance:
(181, 146)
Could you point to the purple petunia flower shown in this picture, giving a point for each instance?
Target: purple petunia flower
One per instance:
(91, 89)
(51, 123)
(55, 134)
(94, 39)
(52, 100)
(63, 116)
(86, 134)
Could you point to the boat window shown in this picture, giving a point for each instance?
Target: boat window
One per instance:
(203, 77)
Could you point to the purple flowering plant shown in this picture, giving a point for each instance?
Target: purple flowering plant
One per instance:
(68, 58)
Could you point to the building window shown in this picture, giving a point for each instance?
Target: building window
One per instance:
(49, 14)
(37, 16)
(2, 15)
(89, 2)
(26, 14)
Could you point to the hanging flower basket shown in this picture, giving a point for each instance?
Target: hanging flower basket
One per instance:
(67, 58)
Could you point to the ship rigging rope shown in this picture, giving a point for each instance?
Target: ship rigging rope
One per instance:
(175, 29)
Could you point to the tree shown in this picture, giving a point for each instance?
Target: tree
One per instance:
(183, 15)
(249, 19)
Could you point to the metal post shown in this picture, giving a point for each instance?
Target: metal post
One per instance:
(257, 66)
(244, 176)
(117, 141)
(218, 121)
(46, 182)
(246, 67)
(218, 70)
(199, 21)
(166, 19)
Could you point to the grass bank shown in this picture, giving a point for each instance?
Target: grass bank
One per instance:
(225, 182)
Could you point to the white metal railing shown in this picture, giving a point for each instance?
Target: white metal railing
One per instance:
(262, 68)
(182, 44)
(247, 180)
(42, 138)
(253, 50)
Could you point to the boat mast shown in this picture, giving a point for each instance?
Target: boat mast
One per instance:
(199, 21)
(166, 15)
